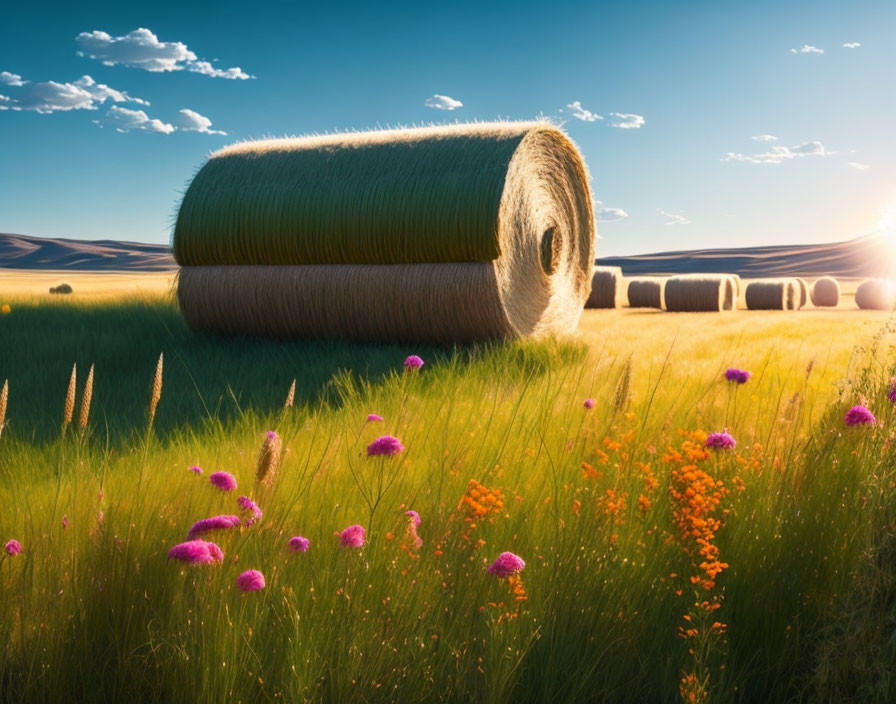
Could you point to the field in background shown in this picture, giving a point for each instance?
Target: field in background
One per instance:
(607, 506)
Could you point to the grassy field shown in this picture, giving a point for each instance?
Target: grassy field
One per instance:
(656, 569)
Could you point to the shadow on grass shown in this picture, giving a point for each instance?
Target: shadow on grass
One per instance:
(205, 376)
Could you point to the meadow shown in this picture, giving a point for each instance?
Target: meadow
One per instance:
(657, 568)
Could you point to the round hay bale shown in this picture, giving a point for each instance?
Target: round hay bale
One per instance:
(646, 292)
(439, 234)
(700, 293)
(876, 294)
(825, 293)
(606, 287)
(803, 289)
(61, 288)
(772, 294)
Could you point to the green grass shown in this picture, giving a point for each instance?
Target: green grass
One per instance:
(96, 611)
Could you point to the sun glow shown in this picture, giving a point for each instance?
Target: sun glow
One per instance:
(888, 223)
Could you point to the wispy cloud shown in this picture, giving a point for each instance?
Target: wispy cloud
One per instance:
(851, 45)
(764, 138)
(673, 218)
(779, 154)
(807, 49)
(605, 214)
(192, 121)
(857, 165)
(125, 120)
(577, 111)
(50, 96)
(142, 49)
(626, 121)
(442, 102)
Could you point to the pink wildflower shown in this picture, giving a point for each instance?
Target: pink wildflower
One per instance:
(353, 536)
(13, 547)
(374, 418)
(859, 415)
(589, 403)
(413, 524)
(738, 375)
(196, 469)
(415, 517)
(506, 564)
(206, 525)
(223, 480)
(65, 521)
(196, 552)
(721, 440)
(250, 581)
(248, 504)
(413, 363)
(385, 445)
(299, 544)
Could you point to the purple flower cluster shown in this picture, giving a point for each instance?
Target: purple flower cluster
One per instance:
(413, 363)
(207, 525)
(859, 415)
(506, 564)
(196, 469)
(13, 547)
(588, 404)
(374, 418)
(738, 375)
(891, 394)
(299, 544)
(353, 536)
(720, 441)
(196, 552)
(223, 480)
(385, 445)
(250, 581)
(248, 504)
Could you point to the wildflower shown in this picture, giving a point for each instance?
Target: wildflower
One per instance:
(415, 517)
(385, 445)
(196, 469)
(738, 375)
(413, 363)
(374, 418)
(196, 552)
(891, 394)
(721, 440)
(223, 480)
(5, 309)
(248, 504)
(413, 524)
(250, 581)
(299, 544)
(589, 403)
(353, 536)
(269, 458)
(13, 547)
(206, 525)
(100, 517)
(506, 564)
(859, 415)
(65, 521)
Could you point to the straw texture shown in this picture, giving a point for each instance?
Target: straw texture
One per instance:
(826, 293)
(876, 294)
(700, 293)
(439, 234)
(606, 287)
(803, 288)
(772, 294)
(646, 292)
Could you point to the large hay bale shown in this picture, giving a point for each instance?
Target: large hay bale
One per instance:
(606, 287)
(772, 294)
(439, 234)
(876, 294)
(646, 292)
(825, 293)
(803, 289)
(698, 293)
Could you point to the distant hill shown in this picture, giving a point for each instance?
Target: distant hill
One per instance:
(23, 252)
(872, 255)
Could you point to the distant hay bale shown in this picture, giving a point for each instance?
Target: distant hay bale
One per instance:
(826, 293)
(772, 294)
(443, 234)
(803, 288)
(646, 292)
(61, 288)
(697, 293)
(876, 294)
(606, 287)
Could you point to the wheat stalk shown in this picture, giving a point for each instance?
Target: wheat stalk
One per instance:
(70, 398)
(269, 458)
(156, 390)
(291, 396)
(623, 388)
(4, 397)
(86, 398)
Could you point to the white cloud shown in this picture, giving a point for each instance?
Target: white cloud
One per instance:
(857, 165)
(807, 49)
(778, 155)
(142, 49)
(851, 45)
(442, 102)
(124, 120)
(576, 110)
(673, 218)
(192, 121)
(627, 121)
(50, 96)
(10, 79)
(765, 138)
(604, 214)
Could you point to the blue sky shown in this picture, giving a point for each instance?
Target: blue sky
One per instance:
(683, 92)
